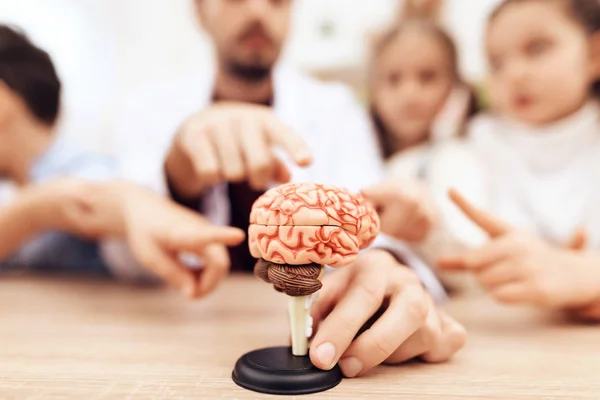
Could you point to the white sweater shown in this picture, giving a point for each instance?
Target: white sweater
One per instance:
(545, 180)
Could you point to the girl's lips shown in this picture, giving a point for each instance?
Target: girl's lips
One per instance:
(523, 102)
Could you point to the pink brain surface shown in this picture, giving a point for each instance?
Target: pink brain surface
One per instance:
(304, 223)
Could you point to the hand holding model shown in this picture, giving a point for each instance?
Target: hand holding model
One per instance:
(297, 229)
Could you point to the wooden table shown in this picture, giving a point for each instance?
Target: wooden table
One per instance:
(63, 339)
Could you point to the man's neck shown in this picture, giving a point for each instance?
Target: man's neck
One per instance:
(229, 88)
(29, 142)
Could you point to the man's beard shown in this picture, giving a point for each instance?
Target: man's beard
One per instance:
(250, 73)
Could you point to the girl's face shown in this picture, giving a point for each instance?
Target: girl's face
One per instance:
(413, 79)
(541, 63)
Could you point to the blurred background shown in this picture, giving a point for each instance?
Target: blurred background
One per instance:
(107, 49)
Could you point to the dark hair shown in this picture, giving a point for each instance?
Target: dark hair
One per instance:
(30, 73)
(585, 12)
(429, 27)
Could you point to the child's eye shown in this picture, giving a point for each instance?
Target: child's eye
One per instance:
(537, 47)
(393, 78)
(496, 65)
(427, 77)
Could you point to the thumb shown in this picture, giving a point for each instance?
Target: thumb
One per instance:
(165, 265)
(578, 241)
(381, 193)
(216, 266)
(486, 221)
(282, 173)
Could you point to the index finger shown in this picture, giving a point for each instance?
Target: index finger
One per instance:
(405, 315)
(197, 238)
(486, 221)
(381, 193)
(292, 143)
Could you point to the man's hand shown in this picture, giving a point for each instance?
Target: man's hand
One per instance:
(405, 209)
(409, 325)
(232, 142)
(518, 267)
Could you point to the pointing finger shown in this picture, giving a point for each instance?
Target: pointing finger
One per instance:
(486, 221)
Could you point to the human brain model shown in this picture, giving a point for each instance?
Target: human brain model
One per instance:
(297, 229)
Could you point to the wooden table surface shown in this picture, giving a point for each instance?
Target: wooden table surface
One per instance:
(66, 339)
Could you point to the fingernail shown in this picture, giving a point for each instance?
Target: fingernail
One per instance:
(351, 366)
(325, 354)
(305, 157)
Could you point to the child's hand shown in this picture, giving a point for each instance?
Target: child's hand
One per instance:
(158, 231)
(410, 325)
(60, 204)
(518, 267)
(405, 209)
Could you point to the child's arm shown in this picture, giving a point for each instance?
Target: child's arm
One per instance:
(515, 266)
(157, 232)
(37, 209)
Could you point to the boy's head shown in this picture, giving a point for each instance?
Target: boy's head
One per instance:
(29, 85)
(544, 57)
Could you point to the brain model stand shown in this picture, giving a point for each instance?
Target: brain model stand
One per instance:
(295, 231)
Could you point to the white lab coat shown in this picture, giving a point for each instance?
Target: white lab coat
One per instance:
(326, 115)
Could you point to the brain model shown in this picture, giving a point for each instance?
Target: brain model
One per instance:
(295, 229)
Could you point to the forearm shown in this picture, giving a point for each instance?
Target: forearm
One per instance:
(112, 204)
(109, 206)
(23, 219)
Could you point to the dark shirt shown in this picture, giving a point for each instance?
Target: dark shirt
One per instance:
(241, 198)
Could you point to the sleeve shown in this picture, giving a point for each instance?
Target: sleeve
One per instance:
(362, 161)
(454, 166)
(95, 167)
(64, 159)
(140, 142)
(60, 251)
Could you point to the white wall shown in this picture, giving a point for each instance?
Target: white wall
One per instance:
(353, 20)
(349, 23)
(466, 19)
(83, 51)
(107, 48)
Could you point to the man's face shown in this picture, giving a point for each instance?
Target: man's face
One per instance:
(248, 34)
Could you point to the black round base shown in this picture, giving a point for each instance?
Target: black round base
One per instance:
(275, 370)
